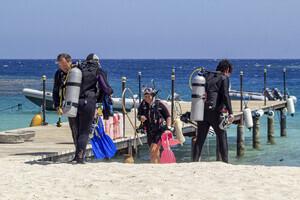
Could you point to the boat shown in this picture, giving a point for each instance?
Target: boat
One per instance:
(36, 97)
(252, 96)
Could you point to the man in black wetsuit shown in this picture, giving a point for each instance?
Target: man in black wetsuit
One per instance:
(155, 118)
(218, 101)
(93, 85)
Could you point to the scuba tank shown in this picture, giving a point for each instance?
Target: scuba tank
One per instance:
(198, 97)
(73, 84)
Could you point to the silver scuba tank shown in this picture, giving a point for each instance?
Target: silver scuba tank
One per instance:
(73, 84)
(198, 97)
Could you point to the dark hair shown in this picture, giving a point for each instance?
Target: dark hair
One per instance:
(65, 56)
(224, 65)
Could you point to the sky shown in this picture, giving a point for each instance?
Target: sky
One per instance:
(40, 29)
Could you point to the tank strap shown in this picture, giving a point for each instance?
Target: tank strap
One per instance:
(198, 84)
(75, 105)
(73, 84)
(198, 96)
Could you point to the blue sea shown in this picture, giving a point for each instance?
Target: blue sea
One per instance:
(18, 74)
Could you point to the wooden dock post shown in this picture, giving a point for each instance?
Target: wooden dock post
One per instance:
(284, 84)
(240, 126)
(271, 129)
(265, 86)
(123, 88)
(283, 122)
(283, 111)
(240, 140)
(128, 158)
(256, 133)
(140, 86)
(44, 100)
(172, 95)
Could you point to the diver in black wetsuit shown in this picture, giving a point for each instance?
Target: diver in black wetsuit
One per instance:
(94, 85)
(155, 118)
(218, 100)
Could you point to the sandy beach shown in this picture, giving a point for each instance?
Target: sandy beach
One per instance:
(213, 180)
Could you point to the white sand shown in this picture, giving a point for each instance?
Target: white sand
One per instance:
(146, 181)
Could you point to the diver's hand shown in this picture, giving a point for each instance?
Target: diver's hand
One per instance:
(230, 118)
(143, 118)
(98, 112)
(59, 111)
(170, 128)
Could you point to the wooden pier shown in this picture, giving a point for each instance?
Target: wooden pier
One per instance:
(55, 144)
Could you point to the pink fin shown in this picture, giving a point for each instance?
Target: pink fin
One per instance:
(167, 156)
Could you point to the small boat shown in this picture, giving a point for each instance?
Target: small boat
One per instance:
(272, 94)
(36, 97)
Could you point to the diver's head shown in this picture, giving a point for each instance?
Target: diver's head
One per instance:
(225, 67)
(64, 61)
(149, 94)
(92, 58)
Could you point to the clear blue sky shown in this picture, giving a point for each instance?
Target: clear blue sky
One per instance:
(150, 28)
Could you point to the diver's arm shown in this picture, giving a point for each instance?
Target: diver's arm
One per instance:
(227, 100)
(56, 88)
(141, 115)
(166, 114)
(103, 84)
(169, 122)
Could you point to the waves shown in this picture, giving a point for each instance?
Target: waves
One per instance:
(14, 86)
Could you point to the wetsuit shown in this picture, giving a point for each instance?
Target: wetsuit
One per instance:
(94, 84)
(218, 98)
(156, 115)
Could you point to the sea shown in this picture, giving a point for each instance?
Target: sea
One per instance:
(18, 74)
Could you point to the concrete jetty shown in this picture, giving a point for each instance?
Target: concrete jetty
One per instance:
(55, 144)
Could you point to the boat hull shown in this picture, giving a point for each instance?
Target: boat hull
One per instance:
(36, 97)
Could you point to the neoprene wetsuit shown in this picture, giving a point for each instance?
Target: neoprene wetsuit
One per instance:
(94, 84)
(156, 114)
(217, 99)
